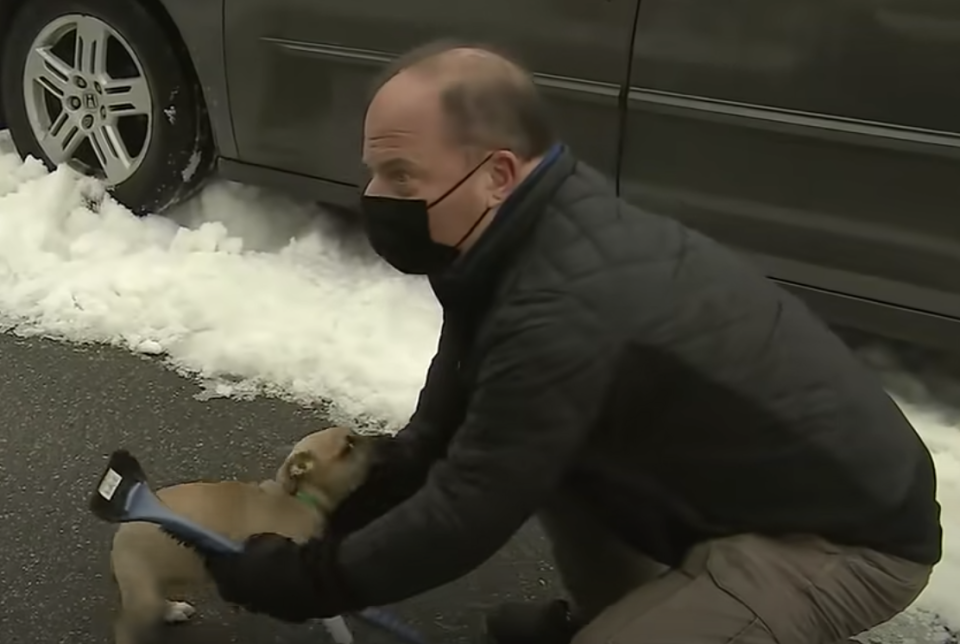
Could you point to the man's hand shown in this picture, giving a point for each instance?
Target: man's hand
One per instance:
(275, 576)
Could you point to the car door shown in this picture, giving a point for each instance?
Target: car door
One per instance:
(300, 70)
(819, 136)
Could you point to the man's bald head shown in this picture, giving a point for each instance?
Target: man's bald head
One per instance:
(488, 100)
(457, 127)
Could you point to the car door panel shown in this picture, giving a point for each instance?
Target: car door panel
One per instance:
(200, 23)
(782, 127)
(300, 70)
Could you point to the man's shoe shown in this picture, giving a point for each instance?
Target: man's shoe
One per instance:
(550, 623)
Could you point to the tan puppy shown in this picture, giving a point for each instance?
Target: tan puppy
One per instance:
(155, 574)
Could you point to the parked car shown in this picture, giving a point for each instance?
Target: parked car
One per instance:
(820, 137)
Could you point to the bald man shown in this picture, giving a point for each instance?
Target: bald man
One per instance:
(709, 462)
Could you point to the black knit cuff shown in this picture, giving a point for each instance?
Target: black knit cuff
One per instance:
(334, 596)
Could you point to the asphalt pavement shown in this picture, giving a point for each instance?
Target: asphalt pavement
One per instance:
(64, 408)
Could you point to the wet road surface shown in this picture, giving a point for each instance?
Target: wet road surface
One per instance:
(63, 408)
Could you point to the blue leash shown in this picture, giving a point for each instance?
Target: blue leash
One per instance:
(142, 504)
(376, 617)
(389, 623)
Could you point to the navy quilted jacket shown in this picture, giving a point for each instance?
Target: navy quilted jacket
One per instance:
(591, 347)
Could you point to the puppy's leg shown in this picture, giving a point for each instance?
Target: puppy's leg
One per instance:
(178, 612)
(142, 605)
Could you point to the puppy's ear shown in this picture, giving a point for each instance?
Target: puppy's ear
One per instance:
(293, 469)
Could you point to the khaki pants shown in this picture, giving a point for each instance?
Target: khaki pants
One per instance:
(747, 589)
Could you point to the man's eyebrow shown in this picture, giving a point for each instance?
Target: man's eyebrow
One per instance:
(392, 163)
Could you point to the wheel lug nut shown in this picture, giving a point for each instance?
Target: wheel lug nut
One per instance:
(73, 103)
(103, 112)
(87, 121)
(80, 82)
(97, 88)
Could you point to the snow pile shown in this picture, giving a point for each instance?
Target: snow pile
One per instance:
(941, 433)
(920, 390)
(288, 308)
(257, 294)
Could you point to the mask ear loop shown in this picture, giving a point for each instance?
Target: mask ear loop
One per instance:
(462, 181)
(473, 227)
(465, 178)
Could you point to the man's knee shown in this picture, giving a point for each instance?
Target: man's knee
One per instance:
(683, 606)
(809, 590)
(758, 590)
(596, 568)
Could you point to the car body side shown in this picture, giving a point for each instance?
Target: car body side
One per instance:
(820, 137)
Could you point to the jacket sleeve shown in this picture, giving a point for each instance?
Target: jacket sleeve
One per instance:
(537, 394)
(440, 405)
(407, 458)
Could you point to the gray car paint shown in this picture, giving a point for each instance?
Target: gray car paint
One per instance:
(304, 69)
(822, 137)
(200, 23)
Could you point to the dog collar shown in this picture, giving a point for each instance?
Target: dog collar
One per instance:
(310, 500)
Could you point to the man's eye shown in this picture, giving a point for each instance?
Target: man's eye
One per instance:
(403, 185)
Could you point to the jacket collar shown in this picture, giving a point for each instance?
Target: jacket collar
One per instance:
(471, 279)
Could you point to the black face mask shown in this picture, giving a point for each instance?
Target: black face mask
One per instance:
(399, 231)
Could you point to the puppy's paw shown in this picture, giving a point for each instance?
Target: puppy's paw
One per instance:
(178, 612)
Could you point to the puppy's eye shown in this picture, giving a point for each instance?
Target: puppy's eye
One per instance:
(348, 444)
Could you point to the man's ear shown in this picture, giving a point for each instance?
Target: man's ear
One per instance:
(293, 469)
(504, 175)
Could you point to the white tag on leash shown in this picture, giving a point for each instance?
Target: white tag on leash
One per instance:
(338, 629)
(109, 484)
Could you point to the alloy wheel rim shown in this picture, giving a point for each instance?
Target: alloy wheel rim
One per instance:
(88, 99)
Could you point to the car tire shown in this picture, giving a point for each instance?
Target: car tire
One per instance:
(174, 152)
